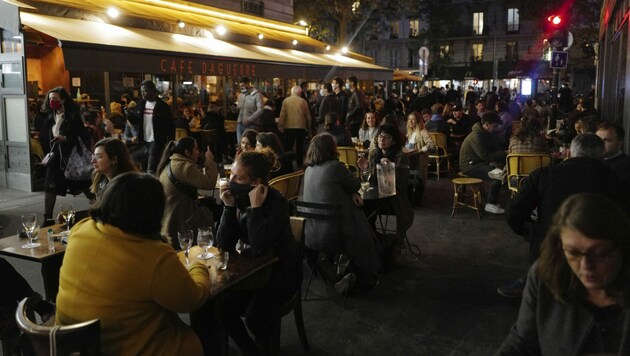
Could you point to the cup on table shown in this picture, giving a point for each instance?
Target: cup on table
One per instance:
(222, 258)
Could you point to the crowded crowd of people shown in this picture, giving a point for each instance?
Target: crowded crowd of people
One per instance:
(579, 265)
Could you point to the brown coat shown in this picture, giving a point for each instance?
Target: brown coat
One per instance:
(181, 211)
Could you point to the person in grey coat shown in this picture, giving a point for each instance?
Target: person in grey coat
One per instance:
(577, 297)
(328, 181)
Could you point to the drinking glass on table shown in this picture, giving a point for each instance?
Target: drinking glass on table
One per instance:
(205, 239)
(67, 212)
(185, 242)
(29, 221)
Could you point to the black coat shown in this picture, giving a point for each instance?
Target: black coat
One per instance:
(163, 124)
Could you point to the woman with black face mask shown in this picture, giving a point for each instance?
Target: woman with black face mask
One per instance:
(258, 216)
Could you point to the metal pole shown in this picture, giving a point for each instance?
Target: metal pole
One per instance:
(553, 113)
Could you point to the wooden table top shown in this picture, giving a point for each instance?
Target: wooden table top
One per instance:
(12, 246)
(239, 268)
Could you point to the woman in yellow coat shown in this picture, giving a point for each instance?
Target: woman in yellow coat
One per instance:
(119, 269)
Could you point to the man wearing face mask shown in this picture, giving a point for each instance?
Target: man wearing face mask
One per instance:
(354, 116)
(328, 104)
(155, 124)
(342, 98)
(252, 107)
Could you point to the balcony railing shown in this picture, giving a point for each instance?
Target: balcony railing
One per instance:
(254, 7)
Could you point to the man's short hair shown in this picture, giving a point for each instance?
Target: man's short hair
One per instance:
(338, 80)
(619, 131)
(296, 90)
(587, 145)
(148, 84)
(490, 117)
(352, 79)
(328, 87)
(244, 80)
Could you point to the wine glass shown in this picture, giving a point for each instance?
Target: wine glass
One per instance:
(67, 212)
(185, 238)
(29, 221)
(205, 239)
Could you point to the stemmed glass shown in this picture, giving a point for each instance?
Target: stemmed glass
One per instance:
(29, 221)
(367, 175)
(205, 239)
(67, 212)
(185, 242)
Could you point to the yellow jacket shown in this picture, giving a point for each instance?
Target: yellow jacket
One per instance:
(135, 286)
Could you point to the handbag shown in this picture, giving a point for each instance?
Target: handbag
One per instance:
(49, 156)
(79, 166)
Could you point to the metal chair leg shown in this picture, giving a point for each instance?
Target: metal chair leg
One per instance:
(299, 324)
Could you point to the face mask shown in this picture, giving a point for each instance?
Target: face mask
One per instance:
(347, 86)
(335, 86)
(241, 194)
(244, 90)
(55, 104)
(322, 92)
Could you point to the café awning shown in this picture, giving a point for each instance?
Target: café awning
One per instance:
(92, 45)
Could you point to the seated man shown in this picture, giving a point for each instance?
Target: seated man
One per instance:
(480, 154)
(612, 134)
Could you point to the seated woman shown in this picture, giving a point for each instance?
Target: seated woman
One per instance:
(577, 293)
(368, 129)
(418, 138)
(389, 149)
(119, 269)
(248, 141)
(326, 180)
(258, 216)
(111, 158)
(181, 177)
(529, 138)
(340, 133)
(284, 163)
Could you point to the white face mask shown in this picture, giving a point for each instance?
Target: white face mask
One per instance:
(347, 86)
(322, 92)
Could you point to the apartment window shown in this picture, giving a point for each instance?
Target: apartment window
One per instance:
(511, 50)
(254, 7)
(477, 52)
(393, 58)
(444, 51)
(414, 28)
(356, 6)
(478, 23)
(412, 55)
(513, 22)
(394, 27)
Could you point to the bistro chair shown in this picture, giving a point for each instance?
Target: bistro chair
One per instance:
(316, 213)
(82, 339)
(520, 165)
(289, 184)
(476, 186)
(349, 156)
(180, 133)
(418, 175)
(295, 303)
(441, 155)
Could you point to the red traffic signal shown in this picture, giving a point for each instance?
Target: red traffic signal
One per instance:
(555, 20)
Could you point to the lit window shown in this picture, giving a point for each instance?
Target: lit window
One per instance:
(444, 51)
(478, 23)
(512, 20)
(477, 51)
(414, 28)
(355, 6)
(511, 50)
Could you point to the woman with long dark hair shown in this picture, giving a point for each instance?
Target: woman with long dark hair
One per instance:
(577, 296)
(60, 133)
(181, 177)
(284, 163)
(119, 269)
(111, 158)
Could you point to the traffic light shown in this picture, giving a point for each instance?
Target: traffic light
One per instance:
(556, 31)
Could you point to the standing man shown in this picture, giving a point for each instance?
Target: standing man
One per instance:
(612, 134)
(354, 116)
(155, 124)
(328, 104)
(342, 98)
(252, 109)
(295, 123)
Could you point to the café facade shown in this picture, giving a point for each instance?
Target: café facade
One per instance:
(99, 50)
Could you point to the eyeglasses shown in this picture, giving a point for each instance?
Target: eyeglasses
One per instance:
(596, 256)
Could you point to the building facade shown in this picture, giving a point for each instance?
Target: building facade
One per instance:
(279, 10)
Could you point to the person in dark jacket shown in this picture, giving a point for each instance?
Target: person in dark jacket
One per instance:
(354, 116)
(546, 188)
(340, 133)
(329, 103)
(61, 132)
(258, 216)
(480, 154)
(154, 120)
(612, 134)
(337, 86)
(577, 294)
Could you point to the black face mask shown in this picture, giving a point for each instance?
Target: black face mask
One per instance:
(241, 194)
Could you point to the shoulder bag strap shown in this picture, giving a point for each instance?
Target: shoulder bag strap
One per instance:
(183, 187)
